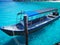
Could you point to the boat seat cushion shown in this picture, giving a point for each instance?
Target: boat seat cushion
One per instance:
(19, 26)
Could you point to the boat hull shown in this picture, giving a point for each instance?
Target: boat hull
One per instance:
(12, 33)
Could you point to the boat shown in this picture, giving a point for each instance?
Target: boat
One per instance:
(40, 22)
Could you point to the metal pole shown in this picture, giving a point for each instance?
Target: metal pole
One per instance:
(26, 28)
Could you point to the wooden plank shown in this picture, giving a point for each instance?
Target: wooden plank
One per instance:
(26, 28)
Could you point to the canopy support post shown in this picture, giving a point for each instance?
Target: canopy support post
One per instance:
(26, 28)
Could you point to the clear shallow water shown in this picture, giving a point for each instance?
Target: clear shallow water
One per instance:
(46, 36)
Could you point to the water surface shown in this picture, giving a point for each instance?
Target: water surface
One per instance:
(49, 35)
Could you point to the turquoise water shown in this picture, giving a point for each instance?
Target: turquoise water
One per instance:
(49, 35)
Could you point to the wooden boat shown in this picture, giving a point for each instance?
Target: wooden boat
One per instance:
(18, 29)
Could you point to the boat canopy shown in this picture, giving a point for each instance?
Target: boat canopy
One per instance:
(32, 13)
